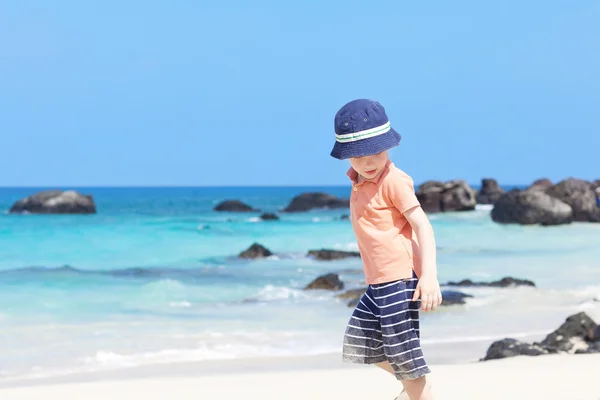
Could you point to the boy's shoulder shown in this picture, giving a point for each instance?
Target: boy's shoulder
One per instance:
(396, 176)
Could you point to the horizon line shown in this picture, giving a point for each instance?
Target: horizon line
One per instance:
(159, 186)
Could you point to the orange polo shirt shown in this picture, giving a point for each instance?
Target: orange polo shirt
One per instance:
(386, 240)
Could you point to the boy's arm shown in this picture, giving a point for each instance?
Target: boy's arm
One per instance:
(428, 288)
(402, 194)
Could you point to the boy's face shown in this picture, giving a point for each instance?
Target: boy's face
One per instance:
(370, 166)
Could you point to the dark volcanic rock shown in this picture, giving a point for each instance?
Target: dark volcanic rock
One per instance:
(353, 295)
(256, 251)
(580, 196)
(511, 347)
(329, 255)
(490, 191)
(269, 217)
(578, 335)
(573, 334)
(455, 195)
(542, 184)
(451, 297)
(504, 282)
(309, 201)
(592, 348)
(528, 207)
(233, 206)
(326, 282)
(55, 202)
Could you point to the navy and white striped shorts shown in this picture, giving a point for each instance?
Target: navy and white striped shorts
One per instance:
(385, 327)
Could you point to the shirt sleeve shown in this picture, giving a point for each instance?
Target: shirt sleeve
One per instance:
(401, 193)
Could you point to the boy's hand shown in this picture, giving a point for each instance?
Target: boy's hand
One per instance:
(428, 289)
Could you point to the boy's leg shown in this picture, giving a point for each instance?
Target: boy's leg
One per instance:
(386, 366)
(416, 389)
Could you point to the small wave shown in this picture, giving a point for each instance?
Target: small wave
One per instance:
(276, 293)
(134, 272)
(484, 207)
(254, 219)
(346, 246)
(184, 304)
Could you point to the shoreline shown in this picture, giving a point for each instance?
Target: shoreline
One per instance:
(546, 377)
(437, 353)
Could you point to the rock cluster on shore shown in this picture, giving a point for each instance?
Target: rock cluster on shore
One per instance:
(546, 204)
(579, 334)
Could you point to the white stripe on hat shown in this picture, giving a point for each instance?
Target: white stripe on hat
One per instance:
(367, 133)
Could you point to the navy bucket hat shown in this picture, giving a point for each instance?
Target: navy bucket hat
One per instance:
(362, 128)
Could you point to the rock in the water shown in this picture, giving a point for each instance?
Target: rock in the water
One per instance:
(542, 184)
(353, 295)
(345, 217)
(504, 282)
(530, 207)
(455, 195)
(269, 217)
(490, 191)
(256, 251)
(510, 348)
(233, 206)
(329, 255)
(55, 202)
(326, 282)
(580, 196)
(451, 297)
(309, 201)
(576, 333)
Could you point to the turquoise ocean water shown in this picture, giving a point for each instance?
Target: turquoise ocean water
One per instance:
(154, 278)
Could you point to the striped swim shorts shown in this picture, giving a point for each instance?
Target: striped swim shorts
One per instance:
(385, 327)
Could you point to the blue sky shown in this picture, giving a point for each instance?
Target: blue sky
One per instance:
(244, 93)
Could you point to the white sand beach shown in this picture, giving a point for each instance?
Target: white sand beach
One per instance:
(572, 377)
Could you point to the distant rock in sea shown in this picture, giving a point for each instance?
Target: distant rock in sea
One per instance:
(546, 204)
(329, 255)
(580, 195)
(531, 207)
(455, 195)
(256, 251)
(234, 206)
(449, 297)
(490, 191)
(316, 200)
(269, 217)
(542, 184)
(55, 202)
(504, 282)
(452, 297)
(326, 282)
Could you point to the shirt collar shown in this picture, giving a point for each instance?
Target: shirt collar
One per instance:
(353, 175)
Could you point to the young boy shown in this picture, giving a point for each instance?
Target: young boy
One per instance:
(397, 247)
